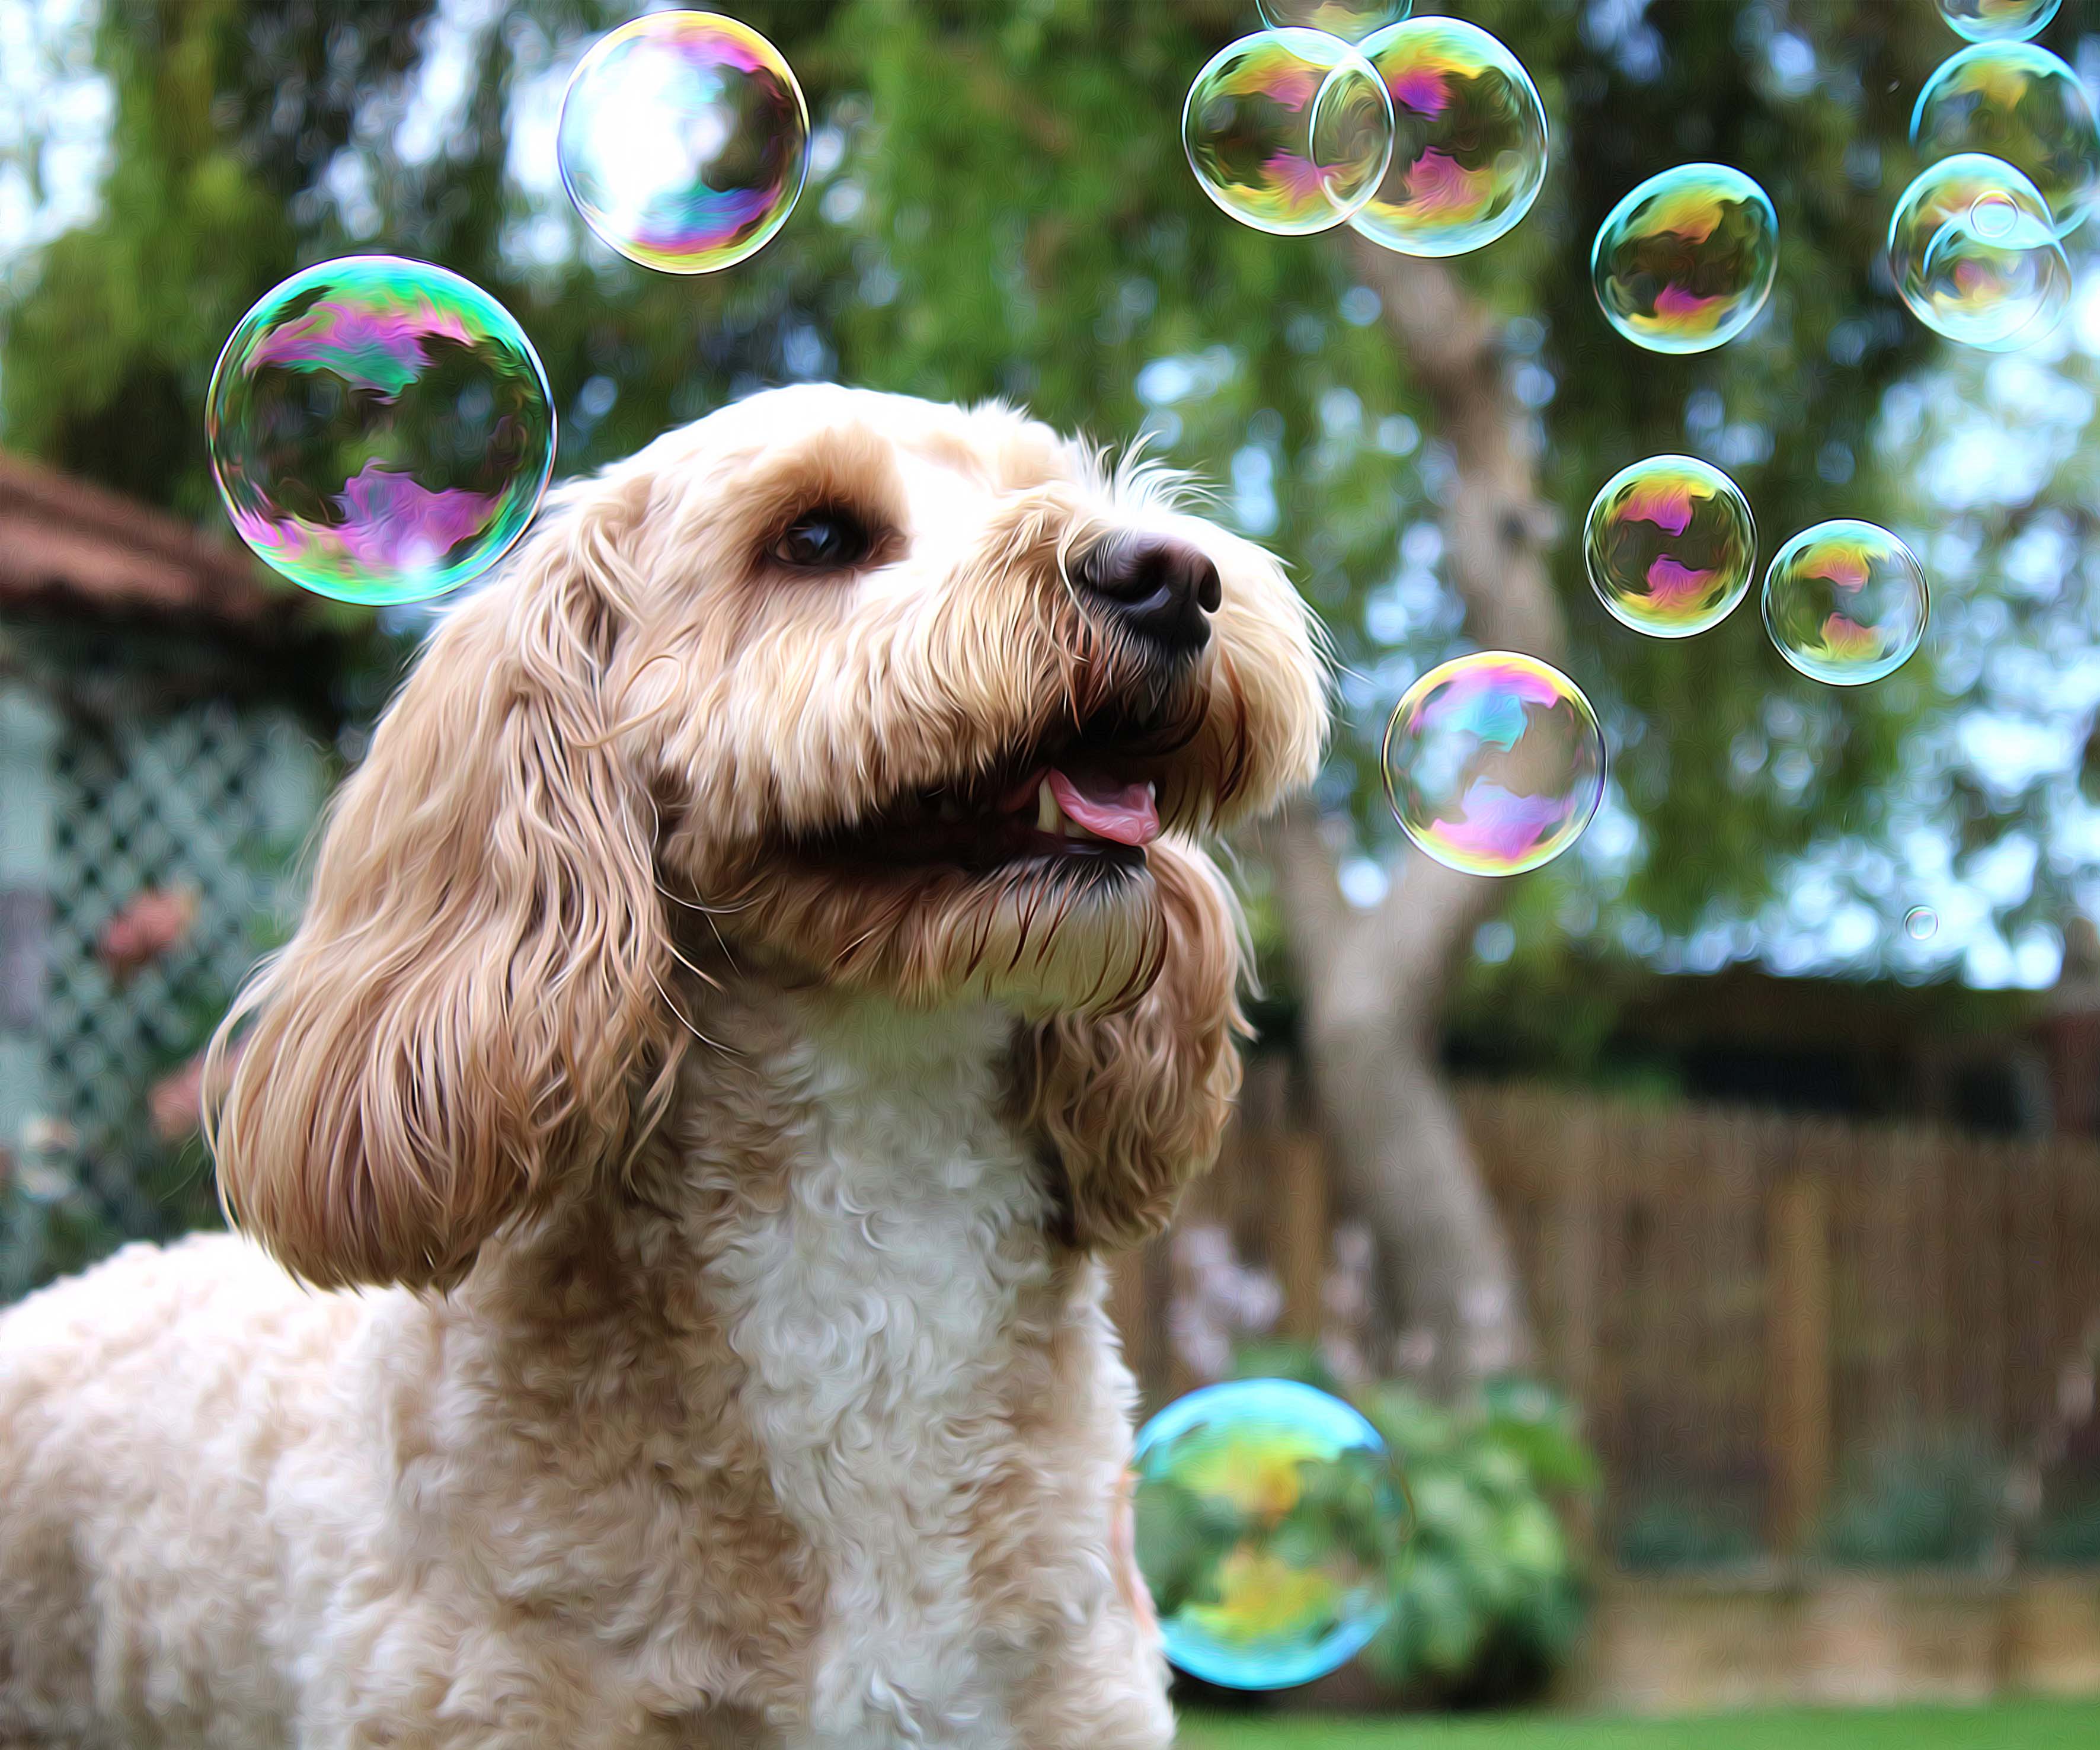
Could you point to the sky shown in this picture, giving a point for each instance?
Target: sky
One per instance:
(1983, 438)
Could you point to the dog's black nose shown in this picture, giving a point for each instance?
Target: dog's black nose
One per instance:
(1162, 588)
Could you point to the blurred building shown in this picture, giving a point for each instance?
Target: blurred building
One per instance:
(163, 717)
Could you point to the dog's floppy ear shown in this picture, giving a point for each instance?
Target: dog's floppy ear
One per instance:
(1134, 1104)
(474, 998)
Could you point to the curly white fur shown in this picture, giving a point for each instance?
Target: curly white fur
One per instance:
(677, 1318)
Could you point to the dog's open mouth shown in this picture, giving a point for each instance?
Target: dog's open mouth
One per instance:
(1088, 800)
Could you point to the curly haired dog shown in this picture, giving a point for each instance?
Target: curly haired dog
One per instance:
(764, 962)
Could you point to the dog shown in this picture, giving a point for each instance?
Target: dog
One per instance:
(764, 964)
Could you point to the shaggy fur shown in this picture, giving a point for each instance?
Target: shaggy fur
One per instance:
(677, 1317)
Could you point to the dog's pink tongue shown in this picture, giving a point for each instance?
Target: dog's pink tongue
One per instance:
(1125, 812)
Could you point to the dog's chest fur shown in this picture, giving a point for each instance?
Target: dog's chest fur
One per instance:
(873, 1301)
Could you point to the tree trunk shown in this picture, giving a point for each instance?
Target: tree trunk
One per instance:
(1373, 982)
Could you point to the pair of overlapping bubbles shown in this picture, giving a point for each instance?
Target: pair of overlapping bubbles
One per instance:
(1975, 243)
(381, 429)
(1669, 546)
(1426, 135)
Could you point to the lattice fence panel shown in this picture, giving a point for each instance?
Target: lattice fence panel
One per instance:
(211, 800)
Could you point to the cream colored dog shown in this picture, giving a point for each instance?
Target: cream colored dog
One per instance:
(764, 962)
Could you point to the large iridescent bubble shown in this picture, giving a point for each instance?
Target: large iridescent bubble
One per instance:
(1469, 139)
(380, 429)
(1997, 20)
(1974, 253)
(684, 141)
(1494, 763)
(1845, 602)
(1686, 259)
(1270, 1525)
(1669, 546)
(2017, 102)
(1288, 130)
(1352, 20)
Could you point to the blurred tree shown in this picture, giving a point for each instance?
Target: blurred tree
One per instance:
(999, 206)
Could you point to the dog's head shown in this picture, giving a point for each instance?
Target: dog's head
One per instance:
(889, 696)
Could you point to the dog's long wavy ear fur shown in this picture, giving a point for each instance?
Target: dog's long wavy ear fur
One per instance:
(473, 1006)
(1134, 1104)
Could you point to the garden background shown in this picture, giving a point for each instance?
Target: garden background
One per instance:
(1722, 1255)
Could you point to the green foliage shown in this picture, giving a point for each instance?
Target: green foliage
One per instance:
(1671, 1535)
(1491, 1599)
(1938, 1503)
(2068, 1537)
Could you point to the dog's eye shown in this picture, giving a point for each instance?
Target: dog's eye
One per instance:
(828, 540)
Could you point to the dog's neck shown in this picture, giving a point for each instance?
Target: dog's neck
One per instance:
(817, 1309)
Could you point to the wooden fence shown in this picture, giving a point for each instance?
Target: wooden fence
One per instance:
(1746, 1304)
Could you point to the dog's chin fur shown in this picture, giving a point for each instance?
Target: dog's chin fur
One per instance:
(725, 1152)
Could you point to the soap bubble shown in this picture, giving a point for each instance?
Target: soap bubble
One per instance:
(1352, 20)
(1845, 602)
(1288, 131)
(1469, 139)
(1921, 922)
(1669, 545)
(1974, 253)
(1494, 763)
(684, 141)
(1685, 261)
(380, 429)
(1269, 1524)
(2017, 102)
(1997, 20)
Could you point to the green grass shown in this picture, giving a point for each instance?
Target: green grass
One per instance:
(2028, 1725)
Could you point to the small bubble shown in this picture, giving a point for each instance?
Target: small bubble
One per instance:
(1921, 922)
(1997, 20)
(1669, 546)
(684, 142)
(1352, 20)
(1469, 139)
(1269, 1524)
(380, 429)
(1686, 259)
(1975, 257)
(2017, 102)
(1494, 763)
(1845, 602)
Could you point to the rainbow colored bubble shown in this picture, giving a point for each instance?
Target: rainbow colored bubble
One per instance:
(1288, 130)
(1997, 20)
(1845, 602)
(684, 141)
(1974, 253)
(2017, 102)
(1352, 20)
(380, 429)
(1270, 1525)
(1469, 139)
(1686, 259)
(1669, 546)
(1494, 763)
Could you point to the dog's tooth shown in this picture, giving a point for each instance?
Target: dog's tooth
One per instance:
(1049, 818)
